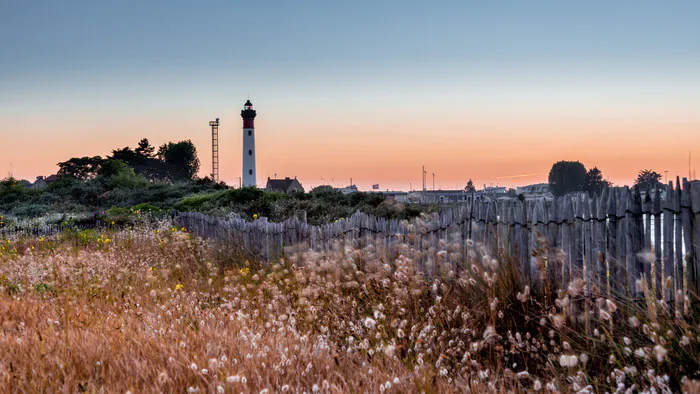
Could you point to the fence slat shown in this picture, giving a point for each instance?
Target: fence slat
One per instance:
(678, 226)
(667, 224)
(695, 207)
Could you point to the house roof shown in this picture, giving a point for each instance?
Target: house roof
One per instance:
(280, 184)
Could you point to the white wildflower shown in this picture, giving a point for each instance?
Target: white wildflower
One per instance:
(660, 353)
(568, 360)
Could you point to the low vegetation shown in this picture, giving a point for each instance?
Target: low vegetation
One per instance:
(165, 179)
(87, 201)
(159, 310)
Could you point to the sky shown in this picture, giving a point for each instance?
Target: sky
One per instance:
(370, 90)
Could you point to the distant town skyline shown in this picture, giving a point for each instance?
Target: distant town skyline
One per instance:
(496, 92)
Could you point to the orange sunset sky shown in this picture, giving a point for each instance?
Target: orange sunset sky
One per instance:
(367, 91)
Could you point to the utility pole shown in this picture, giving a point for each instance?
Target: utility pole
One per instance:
(423, 175)
(433, 181)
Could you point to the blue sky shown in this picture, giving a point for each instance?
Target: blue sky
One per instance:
(139, 61)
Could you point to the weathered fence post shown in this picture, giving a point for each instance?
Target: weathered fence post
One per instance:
(678, 225)
(636, 232)
(668, 243)
(613, 285)
(588, 231)
(658, 272)
(686, 223)
(600, 244)
(695, 224)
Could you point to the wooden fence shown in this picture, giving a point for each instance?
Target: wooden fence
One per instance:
(610, 241)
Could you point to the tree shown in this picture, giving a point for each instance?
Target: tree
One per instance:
(470, 187)
(145, 149)
(113, 167)
(81, 168)
(566, 177)
(127, 155)
(181, 158)
(594, 182)
(647, 179)
(116, 174)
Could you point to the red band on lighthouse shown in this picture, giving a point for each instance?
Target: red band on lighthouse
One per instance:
(248, 123)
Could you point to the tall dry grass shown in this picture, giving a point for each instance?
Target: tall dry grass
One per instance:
(163, 311)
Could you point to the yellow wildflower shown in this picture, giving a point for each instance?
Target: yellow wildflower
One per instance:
(179, 286)
(255, 216)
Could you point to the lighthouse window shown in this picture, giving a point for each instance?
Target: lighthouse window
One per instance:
(250, 172)
(250, 132)
(250, 152)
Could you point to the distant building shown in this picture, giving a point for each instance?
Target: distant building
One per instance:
(497, 191)
(286, 185)
(348, 189)
(398, 196)
(401, 197)
(538, 190)
(42, 182)
(438, 196)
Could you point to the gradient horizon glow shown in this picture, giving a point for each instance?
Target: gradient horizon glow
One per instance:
(496, 92)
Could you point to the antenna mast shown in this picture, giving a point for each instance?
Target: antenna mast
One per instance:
(215, 149)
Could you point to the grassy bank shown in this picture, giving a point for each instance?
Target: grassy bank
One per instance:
(162, 311)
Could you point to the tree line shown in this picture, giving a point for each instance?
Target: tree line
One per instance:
(173, 161)
(571, 176)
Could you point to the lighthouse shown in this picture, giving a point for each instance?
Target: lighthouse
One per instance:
(248, 115)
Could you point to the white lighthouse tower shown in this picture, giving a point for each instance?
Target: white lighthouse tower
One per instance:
(248, 115)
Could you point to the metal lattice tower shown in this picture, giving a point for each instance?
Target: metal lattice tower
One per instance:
(215, 149)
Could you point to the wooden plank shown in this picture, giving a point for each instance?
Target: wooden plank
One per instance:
(686, 224)
(578, 238)
(568, 241)
(587, 242)
(668, 270)
(637, 240)
(612, 256)
(600, 217)
(695, 224)
(538, 243)
(493, 228)
(553, 236)
(656, 211)
(630, 260)
(617, 277)
(525, 244)
(646, 209)
(678, 234)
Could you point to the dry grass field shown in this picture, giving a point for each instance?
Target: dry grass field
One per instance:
(146, 311)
